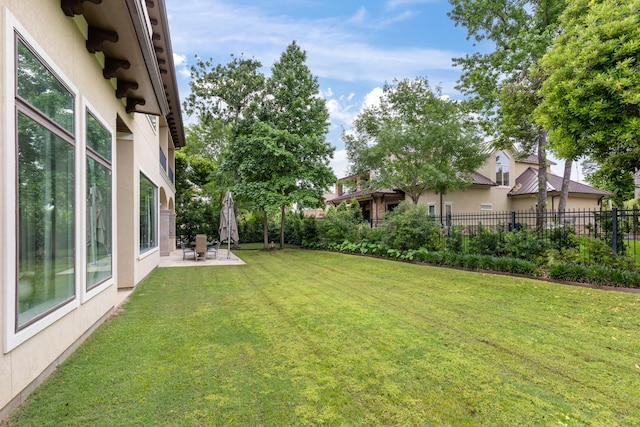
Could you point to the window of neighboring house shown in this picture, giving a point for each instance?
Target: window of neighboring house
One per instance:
(391, 207)
(431, 208)
(502, 169)
(99, 231)
(148, 214)
(486, 206)
(45, 188)
(448, 209)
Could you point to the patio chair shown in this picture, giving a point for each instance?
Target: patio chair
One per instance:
(201, 246)
(213, 249)
(187, 250)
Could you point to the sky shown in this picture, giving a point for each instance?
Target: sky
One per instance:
(353, 47)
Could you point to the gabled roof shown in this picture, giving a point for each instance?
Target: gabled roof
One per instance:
(527, 183)
(479, 179)
(534, 160)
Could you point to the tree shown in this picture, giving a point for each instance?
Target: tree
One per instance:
(263, 166)
(223, 97)
(591, 97)
(415, 141)
(195, 195)
(610, 178)
(503, 84)
(293, 106)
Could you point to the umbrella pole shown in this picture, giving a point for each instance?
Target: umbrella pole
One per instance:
(228, 230)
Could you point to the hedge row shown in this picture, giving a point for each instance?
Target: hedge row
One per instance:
(593, 274)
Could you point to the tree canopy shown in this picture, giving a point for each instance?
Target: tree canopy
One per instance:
(591, 97)
(269, 133)
(415, 141)
(502, 84)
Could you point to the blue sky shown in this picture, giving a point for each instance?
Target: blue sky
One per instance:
(353, 47)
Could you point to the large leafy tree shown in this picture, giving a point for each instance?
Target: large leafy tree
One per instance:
(299, 117)
(591, 97)
(610, 178)
(223, 97)
(415, 140)
(503, 83)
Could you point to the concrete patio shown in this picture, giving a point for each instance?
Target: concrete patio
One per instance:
(224, 258)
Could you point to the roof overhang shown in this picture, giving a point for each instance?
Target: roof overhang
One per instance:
(131, 40)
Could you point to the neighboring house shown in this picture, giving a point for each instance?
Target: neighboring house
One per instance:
(90, 121)
(503, 183)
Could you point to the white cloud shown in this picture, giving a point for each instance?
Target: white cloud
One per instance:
(393, 4)
(336, 50)
(339, 163)
(342, 110)
(179, 59)
(372, 99)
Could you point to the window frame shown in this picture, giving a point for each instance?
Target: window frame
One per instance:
(153, 249)
(89, 292)
(14, 335)
(502, 172)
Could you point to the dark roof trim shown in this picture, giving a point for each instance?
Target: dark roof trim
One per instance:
(174, 117)
(148, 53)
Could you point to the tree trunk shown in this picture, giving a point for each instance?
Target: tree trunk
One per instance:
(564, 192)
(265, 229)
(542, 179)
(282, 218)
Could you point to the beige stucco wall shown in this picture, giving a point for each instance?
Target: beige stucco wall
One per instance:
(470, 199)
(61, 41)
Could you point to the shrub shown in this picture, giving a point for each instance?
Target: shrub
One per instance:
(410, 226)
(523, 244)
(455, 239)
(341, 223)
(562, 238)
(486, 242)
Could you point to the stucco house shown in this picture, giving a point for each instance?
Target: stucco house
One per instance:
(504, 183)
(90, 121)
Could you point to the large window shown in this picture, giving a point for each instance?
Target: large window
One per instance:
(148, 214)
(99, 262)
(502, 169)
(45, 191)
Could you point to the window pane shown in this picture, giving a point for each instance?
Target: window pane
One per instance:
(40, 88)
(99, 266)
(148, 214)
(46, 220)
(98, 138)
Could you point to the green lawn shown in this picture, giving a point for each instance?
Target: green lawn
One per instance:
(317, 338)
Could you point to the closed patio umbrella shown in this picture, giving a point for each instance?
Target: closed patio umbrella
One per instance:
(228, 225)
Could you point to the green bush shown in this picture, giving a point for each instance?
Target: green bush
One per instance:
(455, 239)
(341, 223)
(562, 238)
(523, 244)
(486, 242)
(410, 226)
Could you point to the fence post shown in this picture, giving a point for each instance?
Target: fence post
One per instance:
(513, 221)
(614, 229)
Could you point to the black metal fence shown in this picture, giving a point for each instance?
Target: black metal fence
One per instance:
(618, 227)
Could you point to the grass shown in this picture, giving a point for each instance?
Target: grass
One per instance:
(314, 338)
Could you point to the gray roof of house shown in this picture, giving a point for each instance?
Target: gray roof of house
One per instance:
(527, 183)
